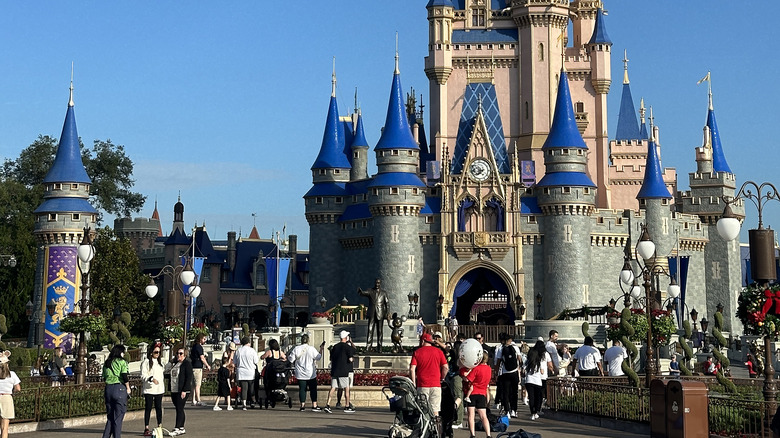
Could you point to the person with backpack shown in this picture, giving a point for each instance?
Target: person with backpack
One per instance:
(507, 362)
(341, 356)
(275, 363)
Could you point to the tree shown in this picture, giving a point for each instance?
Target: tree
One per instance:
(116, 280)
(21, 192)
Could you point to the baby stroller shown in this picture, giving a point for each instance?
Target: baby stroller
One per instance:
(276, 375)
(413, 416)
(448, 413)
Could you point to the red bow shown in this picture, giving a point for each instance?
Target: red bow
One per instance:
(768, 304)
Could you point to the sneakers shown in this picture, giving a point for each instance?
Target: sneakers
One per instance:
(217, 408)
(147, 432)
(534, 416)
(178, 431)
(316, 409)
(243, 408)
(327, 409)
(338, 405)
(525, 401)
(457, 426)
(230, 407)
(303, 408)
(349, 409)
(513, 414)
(468, 400)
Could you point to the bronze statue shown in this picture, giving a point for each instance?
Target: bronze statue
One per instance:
(396, 323)
(377, 312)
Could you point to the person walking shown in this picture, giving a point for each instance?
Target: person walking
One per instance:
(275, 364)
(674, 367)
(117, 391)
(536, 368)
(9, 383)
(614, 357)
(508, 366)
(223, 386)
(181, 383)
(341, 356)
(152, 371)
(427, 370)
(552, 349)
(478, 379)
(304, 359)
(588, 359)
(57, 366)
(245, 360)
(199, 362)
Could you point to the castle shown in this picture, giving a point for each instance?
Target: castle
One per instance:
(519, 195)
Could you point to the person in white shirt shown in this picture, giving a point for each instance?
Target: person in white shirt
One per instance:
(536, 368)
(588, 359)
(152, 371)
(552, 349)
(246, 360)
(9, 383)
(304, 357)
(614, 357)
(508, 361)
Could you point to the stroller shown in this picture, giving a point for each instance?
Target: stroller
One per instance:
(276, 375)
(413, 416)
(448, 412)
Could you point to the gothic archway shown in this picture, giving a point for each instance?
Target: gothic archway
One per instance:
(481, 293)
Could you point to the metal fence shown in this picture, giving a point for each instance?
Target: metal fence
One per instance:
(731, 417)
(583, 396)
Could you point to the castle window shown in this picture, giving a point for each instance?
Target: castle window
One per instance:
(565, 152)
(550, 152)
(468, 46)
(546, 191)
(318, 200)
(52, 217)
(526, 110)
(410, 153)
(479, 46)
(393, 190)
(579, 107)
(343, 226)
(664, 202)
(354, 225)
(500, 47)
(339, 200)
(567, 190)
(375, 192)
(478, 17)
(365, 224)
(685, 226)
(336, 171)
(428, 219)
(76, 217)
(511, 46)
(356, 155)
(74, 186)
(457, 46)
(365, 196)
(580, 152)
(540, 52)
(490, 47)
(205, 275)
(415, 191)
(531, 219)
(260, 273)
(394, 152)
(619, 221)
(586, 190)
(57, 186)
(321, 171)
(698, 227)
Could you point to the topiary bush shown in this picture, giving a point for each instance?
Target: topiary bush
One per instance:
(585, 329)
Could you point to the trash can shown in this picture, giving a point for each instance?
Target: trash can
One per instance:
(658, 408)
(687, 412)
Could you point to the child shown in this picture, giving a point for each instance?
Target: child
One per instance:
(223, 386)
(468, 388)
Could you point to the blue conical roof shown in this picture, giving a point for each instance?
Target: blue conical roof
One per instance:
(600, 30)
(68, 166)
(397, 134)
(440, 3)
(627, 128)
(653, 186)
(564, 132)
(332, 150)
(360, 135)
(719, 163)
(643, 131)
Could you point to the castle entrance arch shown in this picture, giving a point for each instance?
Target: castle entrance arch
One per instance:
(482, 295)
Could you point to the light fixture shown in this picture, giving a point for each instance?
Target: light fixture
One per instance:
(85, 250)
(627, 274)
(151, 288)
(344, 302)
(28, 308)
(645, 247)
(187, 276)
(636, 290)
(51, 307)
(194, 289)
(323, 301)
(728, 224)
(674, 289)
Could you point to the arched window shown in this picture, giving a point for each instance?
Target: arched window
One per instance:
(259, 274)
(540, 52)
(466, 214)
(494, 215)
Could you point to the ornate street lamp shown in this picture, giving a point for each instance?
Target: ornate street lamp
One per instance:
(85, 252)
(323, 302)
(440, 307)
(538, 306)
(411, 304)
(762, 262)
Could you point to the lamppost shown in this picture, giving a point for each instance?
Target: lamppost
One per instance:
(233, 310)
(85, 252)
(519, 307)
(411, 304)
(762, 261)
(645, 248)
(37, 316)
(694, 315)
(180, 276)
(440, 308)
(538, 306)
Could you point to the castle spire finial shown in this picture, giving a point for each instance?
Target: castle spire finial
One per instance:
(652, 124)
(179, 195)
(356, 101)
(70, 101)
(397, 71)
(642, 110)
(333, 80)
(563, 51)
(625, 66)
(709, 89)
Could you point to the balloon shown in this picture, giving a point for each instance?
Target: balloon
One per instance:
(470, 354)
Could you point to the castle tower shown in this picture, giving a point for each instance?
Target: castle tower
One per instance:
(359, 170)
(59, 229)
(627, 128)
(156, 216)
(396, 196)
(600, 50)
(324, 203)
(567, 197)
(438, 64)
(712, 181)
(178, 216)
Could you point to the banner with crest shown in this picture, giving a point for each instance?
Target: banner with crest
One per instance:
(61, 285)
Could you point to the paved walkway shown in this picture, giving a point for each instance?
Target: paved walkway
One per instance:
(283, 422)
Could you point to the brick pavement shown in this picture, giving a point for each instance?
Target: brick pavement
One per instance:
(283, 422)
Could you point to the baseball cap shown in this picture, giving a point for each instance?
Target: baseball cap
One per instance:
(435, 334)
(427, 337)
(540, 339)
(344, 334)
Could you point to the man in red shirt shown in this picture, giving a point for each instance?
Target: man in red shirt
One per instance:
(427, 370)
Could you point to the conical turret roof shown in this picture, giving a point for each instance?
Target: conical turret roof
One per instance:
(68, 166)
(397, 134)
(719, 163)
(627, 128)
(332, 150)
(600, 30)
(360, 135)
(653, 186)
(564, 132)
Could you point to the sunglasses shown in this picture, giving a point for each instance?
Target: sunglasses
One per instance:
(180, 353)
(479, 339)
(156, 352)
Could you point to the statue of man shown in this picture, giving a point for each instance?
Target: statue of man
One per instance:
(377, 312)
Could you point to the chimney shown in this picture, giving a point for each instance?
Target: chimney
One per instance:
(293, 250)
(231, 252)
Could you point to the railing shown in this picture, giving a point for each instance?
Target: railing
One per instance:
(599, 399)
(346, 314)
(134, 355)
(738, 417)
(489, 332)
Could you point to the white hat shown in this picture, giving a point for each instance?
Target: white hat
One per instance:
(540, 339)
(344, 334)
(437, 334)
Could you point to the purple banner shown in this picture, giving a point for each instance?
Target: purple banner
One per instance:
(61, 285)
(528, 172)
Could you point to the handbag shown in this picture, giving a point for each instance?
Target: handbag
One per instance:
(159, 432)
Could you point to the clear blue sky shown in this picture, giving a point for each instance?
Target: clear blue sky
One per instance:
(226, 101)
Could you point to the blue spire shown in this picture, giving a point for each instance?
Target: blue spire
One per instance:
(643, 131)
(627, 128)
(68, 166)
(332, 150)
(653, 186)
(397, 134)
(360, 136)
(600, 30)
(440, 3)
(564, 132)
(719, 163)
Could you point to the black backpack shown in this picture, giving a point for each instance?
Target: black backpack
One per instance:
(509, 356)
(278, 366)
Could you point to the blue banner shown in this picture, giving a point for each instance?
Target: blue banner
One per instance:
(276, 269)
(682, 280)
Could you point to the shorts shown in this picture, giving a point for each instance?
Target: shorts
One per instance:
(434, 397)
(7, 407)
(477, 401)
(351, 379)
(340, 382)
(197, 373)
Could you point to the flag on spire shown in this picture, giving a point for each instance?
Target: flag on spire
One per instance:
(705, 78)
